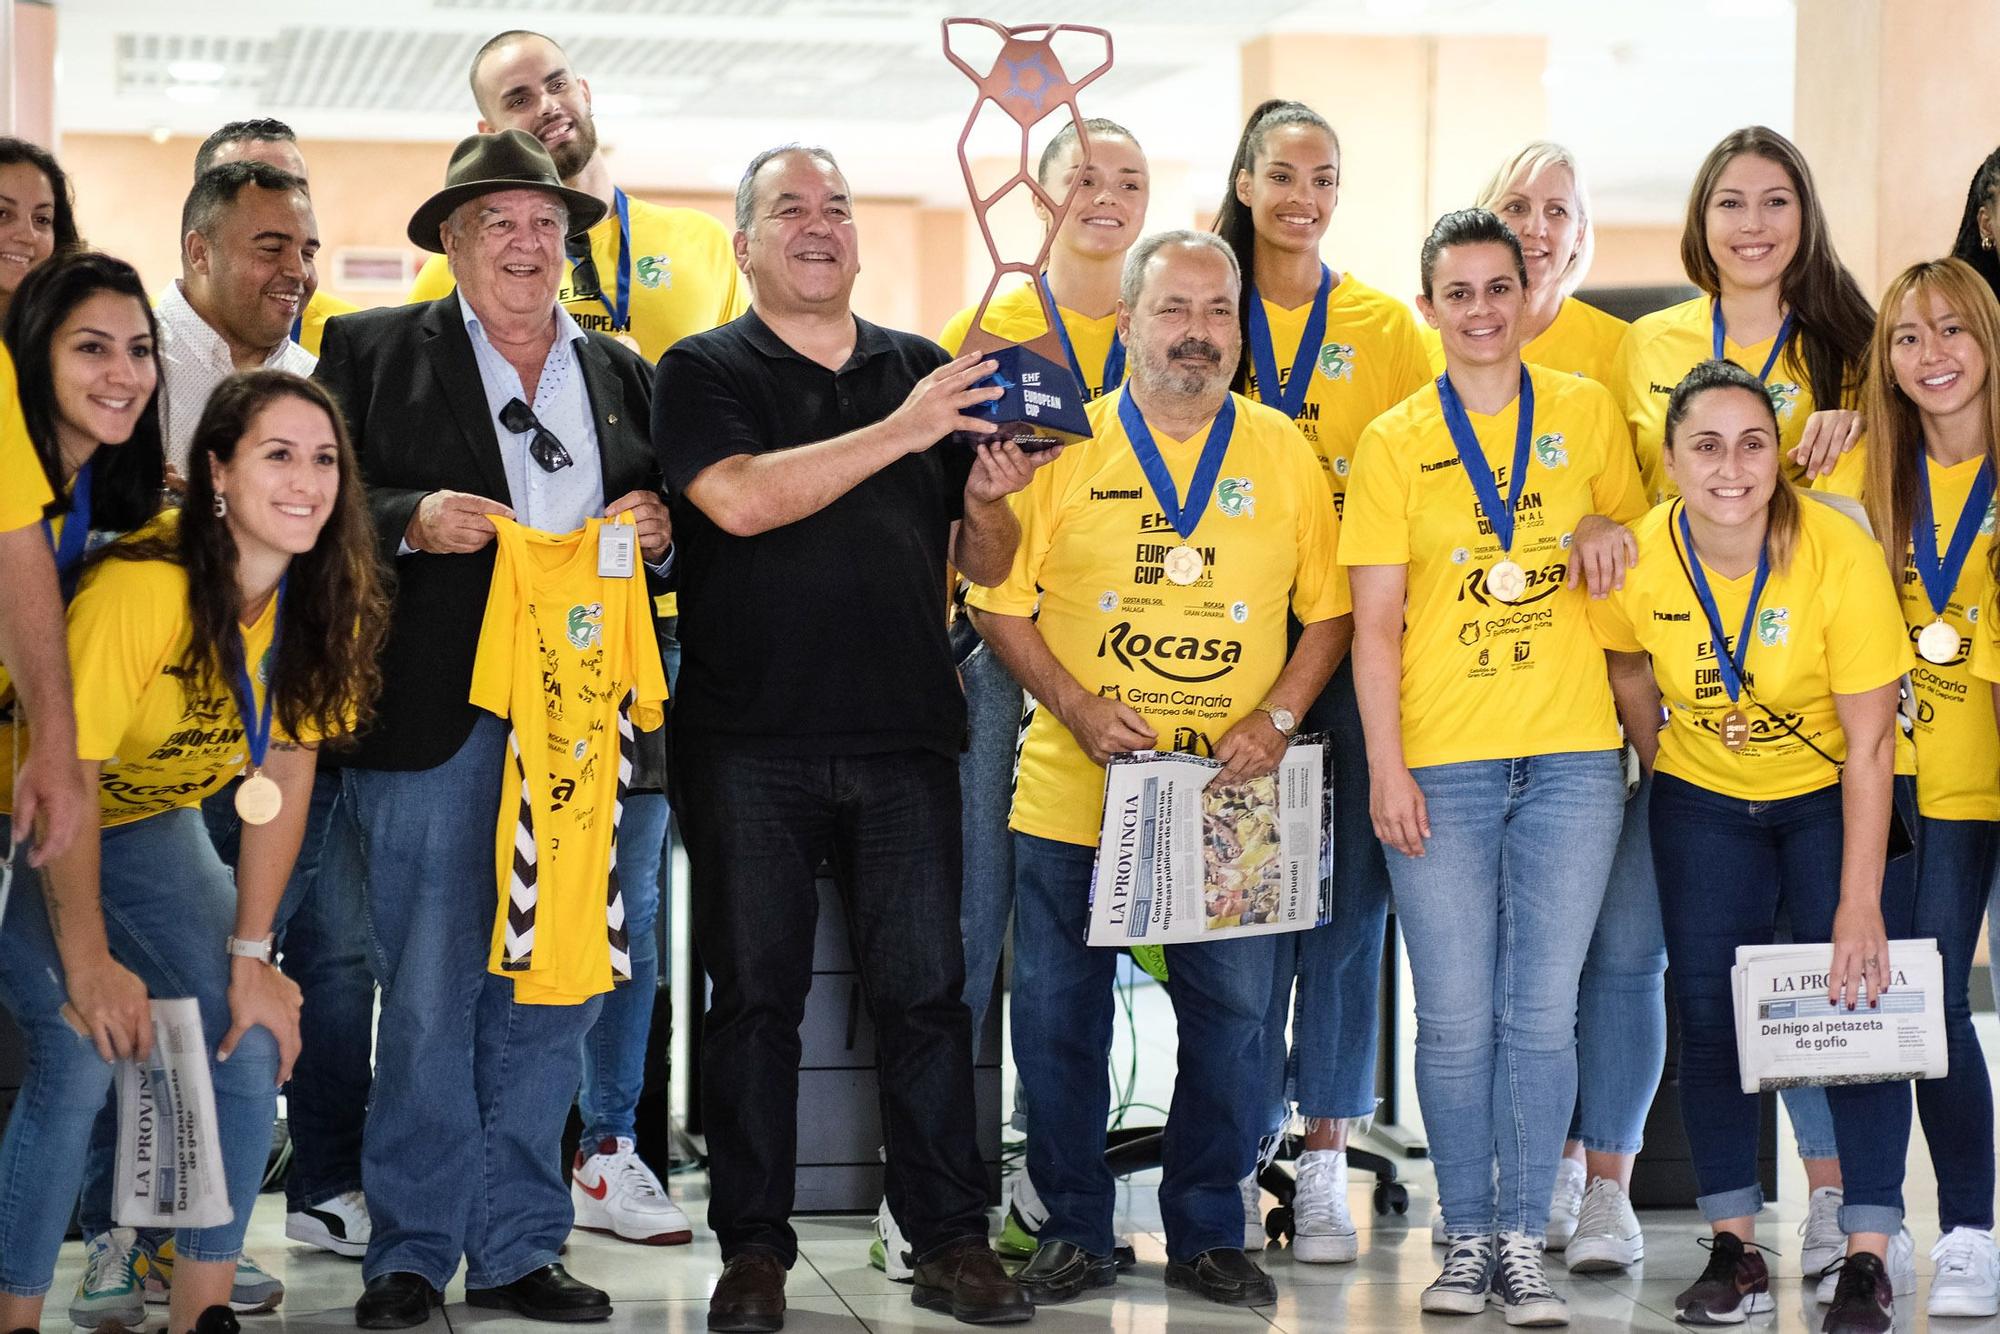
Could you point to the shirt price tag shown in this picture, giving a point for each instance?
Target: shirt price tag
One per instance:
(617, 551)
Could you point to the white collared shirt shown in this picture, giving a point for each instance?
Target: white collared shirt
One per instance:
(559, 501)
(194, 359)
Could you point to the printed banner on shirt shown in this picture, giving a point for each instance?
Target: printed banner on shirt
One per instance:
(169, 1170)
(1183, 859)
(1787, 1034)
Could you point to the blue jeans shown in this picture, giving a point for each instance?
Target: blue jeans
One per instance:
(1498, 914)
(1062, 1045)
(614, 1051)
(169, 905)
(1727, 868)
(986, 792)
(471, 1089)
(1621, 1000)
(1955, 860)
(1329, 1071)
(323, 943)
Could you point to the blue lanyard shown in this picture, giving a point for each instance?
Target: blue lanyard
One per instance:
(1940, 577)
(622, 312)
(1290, 397)
(1730, 664)
(1184, 517)
(257, 722)
(1114, 360)
(76, 524)
(1719, 333)
(1500, 513)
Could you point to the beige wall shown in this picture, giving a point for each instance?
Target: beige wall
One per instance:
(1637, 257)
(129, 191)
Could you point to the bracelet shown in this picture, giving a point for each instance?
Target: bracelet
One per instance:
(260, 950)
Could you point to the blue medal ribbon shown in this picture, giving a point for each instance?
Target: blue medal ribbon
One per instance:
(1500, 513)
(1731, 665)
(1114, 360)
(257, 721)
(1940, 577)
(621, 313)
(1720, 334)
(76, 525)
(1184, 517)
(1290, 396)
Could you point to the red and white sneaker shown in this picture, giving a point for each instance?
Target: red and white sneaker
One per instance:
(614, 1192)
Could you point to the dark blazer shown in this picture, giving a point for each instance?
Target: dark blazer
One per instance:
(406, 379)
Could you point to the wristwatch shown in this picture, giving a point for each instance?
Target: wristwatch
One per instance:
(1282, 718)
(260, 950)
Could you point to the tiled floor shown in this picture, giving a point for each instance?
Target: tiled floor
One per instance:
(833, 1291)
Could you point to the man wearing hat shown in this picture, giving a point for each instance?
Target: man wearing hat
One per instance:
(461, 1154)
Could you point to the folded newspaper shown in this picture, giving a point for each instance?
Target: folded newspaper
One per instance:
(169, 1152)
(1182, 858)
(1788, 1033)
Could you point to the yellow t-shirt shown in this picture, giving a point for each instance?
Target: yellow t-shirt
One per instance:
(1581, 340)
(311, 326)
(1827, 625)
(1661, 348)
(684, 277)
(164, 738)
(24, 487)
(1193, 659)
(1016, 315)
(1483, 680)
(1957, 746)
(1370, 359)
(561, 647)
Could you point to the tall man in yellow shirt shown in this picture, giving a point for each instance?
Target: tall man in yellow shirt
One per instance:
(1257, 536)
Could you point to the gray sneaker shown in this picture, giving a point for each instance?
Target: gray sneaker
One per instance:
(107, 1296)
(1468, 1273)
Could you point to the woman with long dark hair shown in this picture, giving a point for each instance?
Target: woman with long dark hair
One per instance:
(1332, 353)
(1979, 224)
(37, 215)
(232, 636)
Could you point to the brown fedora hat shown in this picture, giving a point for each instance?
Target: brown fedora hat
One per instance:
(483, 164)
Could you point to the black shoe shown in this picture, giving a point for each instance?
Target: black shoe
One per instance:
(1863, 1302)
(217, 1320)
(548, 1293)
(1224, 1275)
(1059, 1271)
(749, 1298)
(396, 1301)
(1126, 1257)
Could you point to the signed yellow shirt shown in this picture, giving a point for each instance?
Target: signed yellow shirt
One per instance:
(1016, 315)
(1483, 679)
(1193, 659)
(24, 487)
(1581, 340)
(1957, 759)
(1369, 360)
(1661, 348)
(1827, 624)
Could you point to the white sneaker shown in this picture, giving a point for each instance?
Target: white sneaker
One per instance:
(1607, 1231)
(889, 1252)
(1253, 1213)
(340, 1225)
(1565, 1203)
(1322, 1228)
(1438, 1237)
(1967, 1280)
(1900, 1264)
(1824, 1242)
(613, 1191)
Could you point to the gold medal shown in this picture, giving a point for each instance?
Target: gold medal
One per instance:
(258, 799)
(1183, 565)
(1507, 581)
(1736, 729)
(627, 340)
(1938, 643)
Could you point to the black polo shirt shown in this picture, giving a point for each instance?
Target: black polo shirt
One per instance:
(825, 636)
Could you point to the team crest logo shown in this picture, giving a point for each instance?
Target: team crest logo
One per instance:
(1233, 498)
(264, 666)
(1341, 465)
(1336, 361)
(1549, 449)
(1459, 555)
(655, 271)
(1783, 395)
(1108, 600)
(586, 625)
(1986, 524)
(1774, 626)
(1239, 612)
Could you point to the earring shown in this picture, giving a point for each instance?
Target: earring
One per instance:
(1985, 240)
(221, 506)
